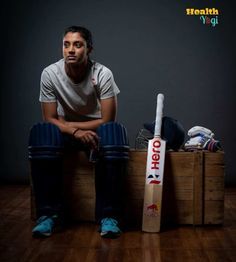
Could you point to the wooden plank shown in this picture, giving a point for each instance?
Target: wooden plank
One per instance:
(178, 212)
(214, 164)
(214, 195)
(198, 188)
(214, 188)
(214, 212)
(181, 182)
(79, 181)
(214, 158)
(181, 187)
(179, 163)
(214, 183)
(184, 212)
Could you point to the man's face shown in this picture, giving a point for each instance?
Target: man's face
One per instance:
(75, 50)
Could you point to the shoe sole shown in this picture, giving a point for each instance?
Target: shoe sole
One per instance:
(38, 234)
(110, 234)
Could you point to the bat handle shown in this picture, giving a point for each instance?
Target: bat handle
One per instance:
(159, 112)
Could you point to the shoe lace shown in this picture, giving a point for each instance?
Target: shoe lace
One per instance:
(45, 219)
(41, 219)
(109, 221)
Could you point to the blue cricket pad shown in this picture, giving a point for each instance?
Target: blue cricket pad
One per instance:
(45, 141)
(113, 141)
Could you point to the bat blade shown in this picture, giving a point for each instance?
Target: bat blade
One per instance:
(153, 186)
(154, 176)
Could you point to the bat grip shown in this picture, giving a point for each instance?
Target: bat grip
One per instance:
(159, 112)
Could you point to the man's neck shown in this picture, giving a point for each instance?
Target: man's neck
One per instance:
(77, 73)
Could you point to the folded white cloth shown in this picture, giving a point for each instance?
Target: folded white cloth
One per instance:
(200, 130)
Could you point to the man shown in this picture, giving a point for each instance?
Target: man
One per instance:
(79, 103)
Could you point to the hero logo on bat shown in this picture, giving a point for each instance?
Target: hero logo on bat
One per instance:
(154, 178)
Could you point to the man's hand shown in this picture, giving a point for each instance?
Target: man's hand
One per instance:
(87, 137)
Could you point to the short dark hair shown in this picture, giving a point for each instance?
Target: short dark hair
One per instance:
(85, 33)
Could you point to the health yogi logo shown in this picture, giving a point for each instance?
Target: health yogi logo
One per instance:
(208, 16)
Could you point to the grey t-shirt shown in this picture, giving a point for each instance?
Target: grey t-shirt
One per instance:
(77, 102)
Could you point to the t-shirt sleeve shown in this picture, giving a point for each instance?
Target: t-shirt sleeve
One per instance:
(47, 90)
(108, 87)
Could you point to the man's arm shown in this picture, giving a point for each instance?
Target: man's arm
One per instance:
(49, 112)
(85, 133)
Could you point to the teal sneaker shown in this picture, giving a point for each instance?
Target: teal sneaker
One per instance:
(109, 228)
(44, 227)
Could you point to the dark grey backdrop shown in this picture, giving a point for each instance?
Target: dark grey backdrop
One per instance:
(151, 47)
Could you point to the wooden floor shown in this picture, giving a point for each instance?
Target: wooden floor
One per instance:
(81, 242)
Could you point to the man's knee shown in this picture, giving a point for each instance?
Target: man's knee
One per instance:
(113, 143)
(45, 142)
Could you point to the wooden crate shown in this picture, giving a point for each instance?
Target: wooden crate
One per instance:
(193, 190)
(79, 186)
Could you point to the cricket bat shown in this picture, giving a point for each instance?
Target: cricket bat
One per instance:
(154, 175)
